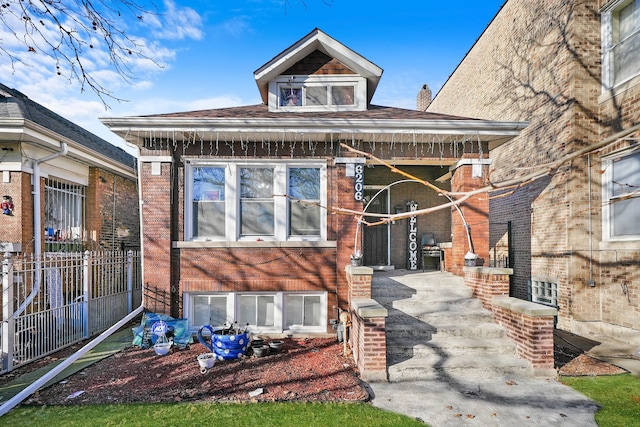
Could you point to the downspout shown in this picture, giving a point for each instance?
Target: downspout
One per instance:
(591, 281)
(37, 223)
(141, 223)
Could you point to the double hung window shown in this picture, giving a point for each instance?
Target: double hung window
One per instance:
(622, 197)
(255, 201)
(620, 42)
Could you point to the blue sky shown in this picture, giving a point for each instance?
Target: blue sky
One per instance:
(209, 50)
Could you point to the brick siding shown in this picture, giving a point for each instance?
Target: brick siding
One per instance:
(543, 65)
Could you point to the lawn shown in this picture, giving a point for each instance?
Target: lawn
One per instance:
(190, 414)
(618, 395)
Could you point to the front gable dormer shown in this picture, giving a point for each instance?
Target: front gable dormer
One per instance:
(318, 73)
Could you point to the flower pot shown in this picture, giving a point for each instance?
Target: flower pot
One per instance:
(162, 348)
(206, 361)
(276, 345)
(261, 351)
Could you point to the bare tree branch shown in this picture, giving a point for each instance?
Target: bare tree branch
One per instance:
(67, 30)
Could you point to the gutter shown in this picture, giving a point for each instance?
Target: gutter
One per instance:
(227, 124)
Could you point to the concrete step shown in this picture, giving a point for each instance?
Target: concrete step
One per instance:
(467, 367)
(421, 330)
(420, 301)
(431, 293)
(398, 349)
(463, 320)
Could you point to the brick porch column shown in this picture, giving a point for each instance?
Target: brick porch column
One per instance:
(368, 339)
(469, 174)
(359, 279)
(530, 325)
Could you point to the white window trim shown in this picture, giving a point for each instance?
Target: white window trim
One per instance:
(607, 191)
(232, 199)
(607, 45)
(278, 316)
(359, 91)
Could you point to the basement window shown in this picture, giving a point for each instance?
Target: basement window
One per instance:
(544, 291)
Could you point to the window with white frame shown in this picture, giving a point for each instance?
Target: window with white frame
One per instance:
(274, 312)
(304, 201)
(314, 95)
(302, 311)
(255, 201)
(621, 182)
(257, 204)
(318, 93)
(208, 208)
(620, 42)
(63, 215)
(544, 291)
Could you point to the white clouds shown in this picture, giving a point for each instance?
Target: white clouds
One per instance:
(237, 26)
(175, 23)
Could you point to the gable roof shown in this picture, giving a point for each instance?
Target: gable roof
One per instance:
(317, 40)
(15, 105)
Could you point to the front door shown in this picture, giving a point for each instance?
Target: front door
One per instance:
(375, 239)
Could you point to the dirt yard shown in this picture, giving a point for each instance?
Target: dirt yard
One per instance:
(303, 370)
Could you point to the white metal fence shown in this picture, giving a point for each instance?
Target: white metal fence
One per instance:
(54, 300)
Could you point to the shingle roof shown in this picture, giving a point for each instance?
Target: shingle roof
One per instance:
(14, 104)
(261, 111)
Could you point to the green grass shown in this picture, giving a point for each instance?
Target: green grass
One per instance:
(189, 414)
(618, 395)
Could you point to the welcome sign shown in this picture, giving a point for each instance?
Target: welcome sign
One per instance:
(412, 229)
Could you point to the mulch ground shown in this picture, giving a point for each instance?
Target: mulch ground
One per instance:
(303, 370)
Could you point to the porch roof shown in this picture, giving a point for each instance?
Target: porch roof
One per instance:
(22, 119)
(256, 122)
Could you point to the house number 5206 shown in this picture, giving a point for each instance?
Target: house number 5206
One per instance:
(358, 187)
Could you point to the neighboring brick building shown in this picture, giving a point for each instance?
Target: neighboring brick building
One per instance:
(222, 243)
(85, 196)
(572, 69)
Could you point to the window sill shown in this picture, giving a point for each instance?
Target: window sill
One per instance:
(254, 244)
(619, 89)
(628, 244)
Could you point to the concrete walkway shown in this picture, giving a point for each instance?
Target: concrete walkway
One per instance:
(505, 398)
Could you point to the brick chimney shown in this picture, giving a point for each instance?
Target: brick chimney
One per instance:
(424, 98)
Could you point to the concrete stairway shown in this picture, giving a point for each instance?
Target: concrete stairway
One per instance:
(436, 329)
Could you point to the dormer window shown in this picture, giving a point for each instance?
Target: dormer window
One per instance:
(318, 93)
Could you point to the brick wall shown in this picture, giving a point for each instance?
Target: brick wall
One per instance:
(156, 214)
(112, 211)
(256, 267)
(487, 283)
(542, 65)
(13, 226)
(531, 327)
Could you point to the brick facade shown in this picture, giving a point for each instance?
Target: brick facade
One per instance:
(543, 65)
(111, 206)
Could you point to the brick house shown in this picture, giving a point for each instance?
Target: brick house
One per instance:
(70, 189)
(572, 69)
(223, 243)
